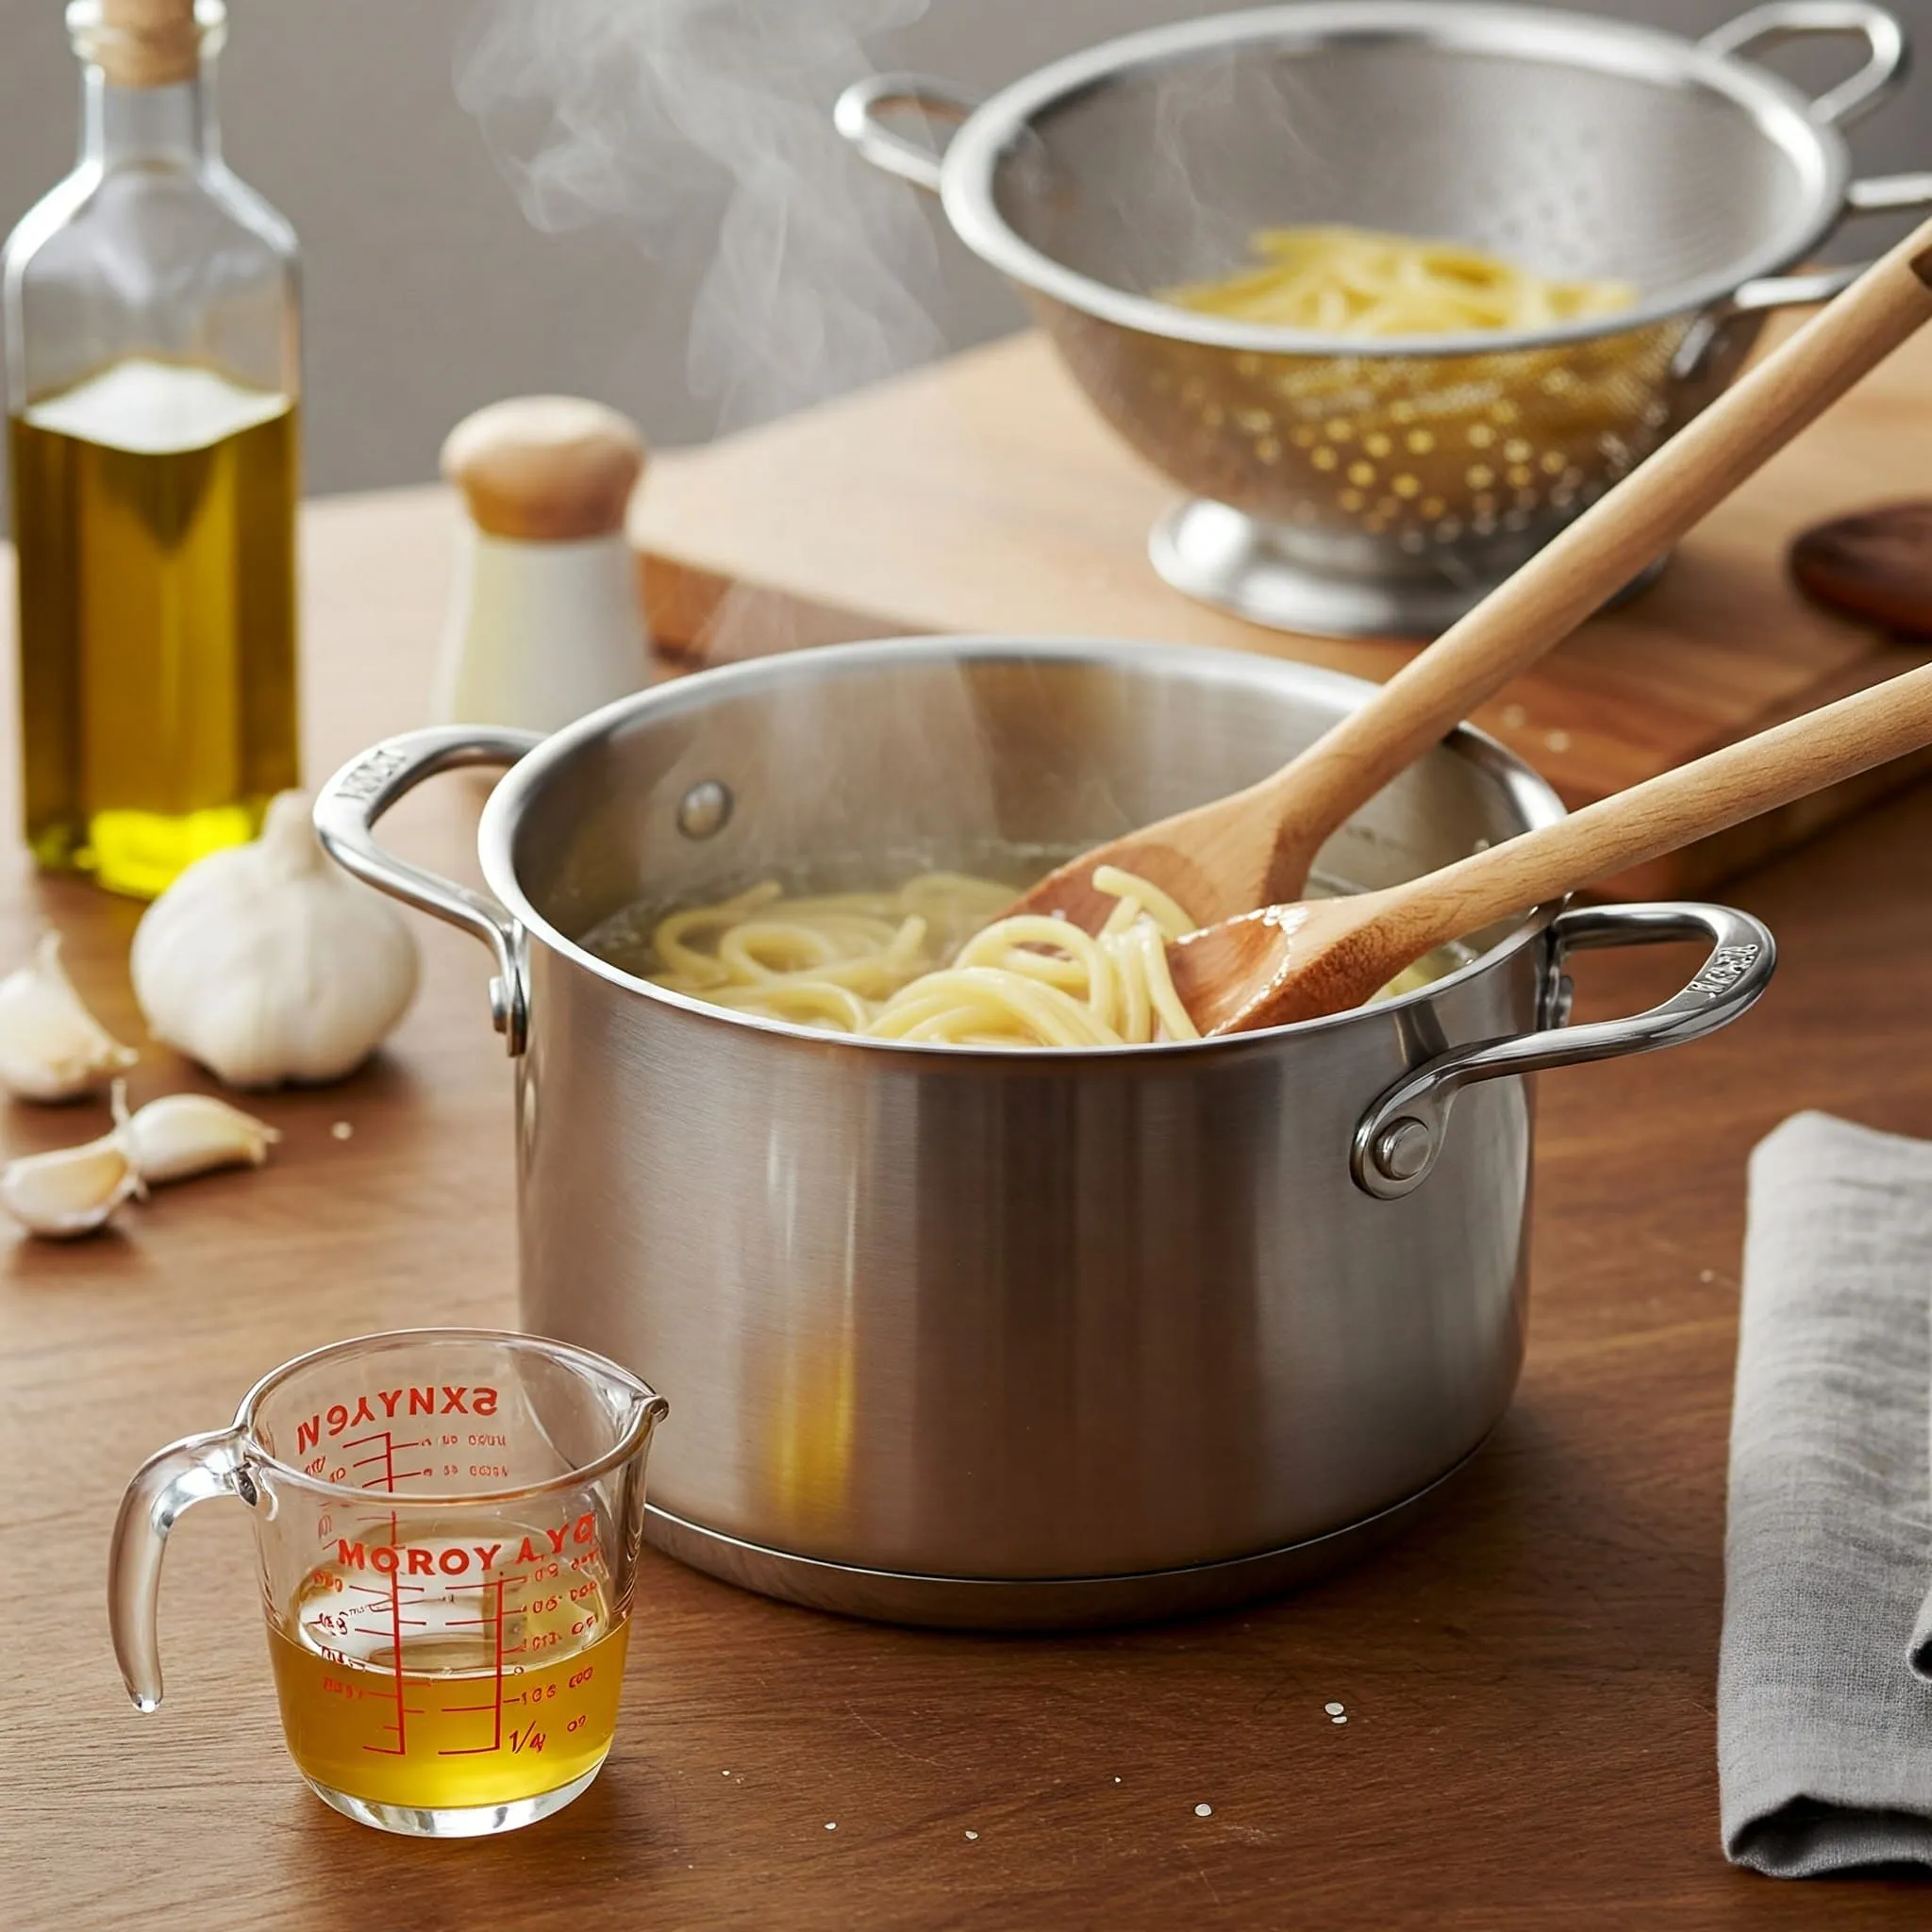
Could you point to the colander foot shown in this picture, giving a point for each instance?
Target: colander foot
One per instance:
(1221, 556)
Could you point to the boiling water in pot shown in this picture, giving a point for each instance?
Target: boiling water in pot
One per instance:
(930, 960)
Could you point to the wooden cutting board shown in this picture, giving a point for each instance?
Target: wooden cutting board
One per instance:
(982, 494)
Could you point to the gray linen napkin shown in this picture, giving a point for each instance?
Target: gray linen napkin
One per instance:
(1825, 1731)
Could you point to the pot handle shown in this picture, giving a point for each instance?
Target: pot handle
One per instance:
(1400, 1135)
(1790, 20)
(856, 116)
(348, 806)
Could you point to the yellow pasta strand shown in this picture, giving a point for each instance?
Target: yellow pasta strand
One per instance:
(933, 961)
(1336, 280)
(1125, 887)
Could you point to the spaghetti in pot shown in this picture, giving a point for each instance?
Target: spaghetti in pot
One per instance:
(1358, 282)
(931, 961)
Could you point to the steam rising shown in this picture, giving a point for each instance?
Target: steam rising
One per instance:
(706, 125)
(703, 129)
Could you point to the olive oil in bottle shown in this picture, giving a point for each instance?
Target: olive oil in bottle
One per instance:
(153, 511)
(153, 456)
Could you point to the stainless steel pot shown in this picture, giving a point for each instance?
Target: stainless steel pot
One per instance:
(1341, 484)
(1004, 1337)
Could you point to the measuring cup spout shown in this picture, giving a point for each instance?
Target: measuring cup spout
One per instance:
(182, 1474)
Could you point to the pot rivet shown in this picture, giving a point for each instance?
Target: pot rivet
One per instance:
(705, 809)
(1402, 1150)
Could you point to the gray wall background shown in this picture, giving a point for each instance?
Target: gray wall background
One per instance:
(428, 294)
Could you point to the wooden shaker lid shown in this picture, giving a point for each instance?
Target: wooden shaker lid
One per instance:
(143, 43)
(545, 468)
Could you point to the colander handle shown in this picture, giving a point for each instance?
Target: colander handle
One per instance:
(858, 117)
(1790, 20)
(1892, 194)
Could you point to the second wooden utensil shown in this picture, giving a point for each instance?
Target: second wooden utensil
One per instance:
(1325, 956)
(1254, 847)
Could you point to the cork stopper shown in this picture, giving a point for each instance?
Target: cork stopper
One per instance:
(143, 42)
(545, 468)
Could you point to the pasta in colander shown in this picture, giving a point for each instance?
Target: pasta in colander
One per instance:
(1357, 282)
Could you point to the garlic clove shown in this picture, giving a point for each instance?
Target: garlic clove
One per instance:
(185, 1134)
(51, 1048)
(266, 963)
(69, 1191)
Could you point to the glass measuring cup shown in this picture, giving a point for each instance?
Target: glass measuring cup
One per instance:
(447, 1521)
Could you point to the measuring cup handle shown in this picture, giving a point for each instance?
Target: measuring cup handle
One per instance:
(184, 1474)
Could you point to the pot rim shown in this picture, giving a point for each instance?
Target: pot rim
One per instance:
(1779, 110)
(1535, 797)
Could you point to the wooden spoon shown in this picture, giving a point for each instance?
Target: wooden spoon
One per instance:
(1325, 955)
(1254, 847)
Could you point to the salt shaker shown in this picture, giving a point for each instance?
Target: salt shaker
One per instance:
(545, 624)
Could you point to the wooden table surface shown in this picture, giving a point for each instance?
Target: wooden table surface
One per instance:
(1529, 1679)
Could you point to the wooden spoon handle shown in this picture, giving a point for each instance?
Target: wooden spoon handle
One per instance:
(1606, 546)
(1755, 774)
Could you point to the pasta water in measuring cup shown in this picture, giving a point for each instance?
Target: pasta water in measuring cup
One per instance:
(449, 1523)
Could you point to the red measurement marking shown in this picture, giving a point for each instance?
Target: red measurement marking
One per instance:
(400, 1726)
(387, 1480)
(495, 1706)
(395, 1630)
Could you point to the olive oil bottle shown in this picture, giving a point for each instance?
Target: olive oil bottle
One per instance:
(150, 315)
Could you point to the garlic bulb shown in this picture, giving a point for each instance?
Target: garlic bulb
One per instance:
(69, 1191)
(267, 963)
(51, 1048)
(185, 1134)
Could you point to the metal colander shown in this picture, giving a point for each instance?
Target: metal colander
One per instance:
(1346, 485)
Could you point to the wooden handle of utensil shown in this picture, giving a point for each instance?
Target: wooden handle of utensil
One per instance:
(1757, 775)
(1662, 498)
